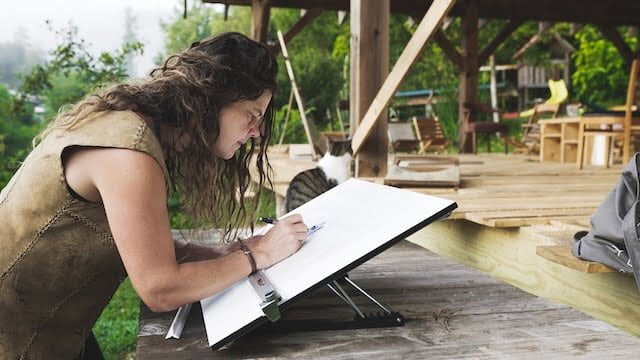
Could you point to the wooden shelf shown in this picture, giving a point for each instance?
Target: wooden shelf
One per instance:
(558, 140)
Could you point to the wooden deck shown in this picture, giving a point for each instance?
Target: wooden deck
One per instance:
(515, 221)
(452, 311)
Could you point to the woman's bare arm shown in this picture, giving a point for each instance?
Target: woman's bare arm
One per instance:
(132, 188)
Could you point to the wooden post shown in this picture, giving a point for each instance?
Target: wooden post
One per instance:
(369, 69)
(494, 87)
(260, 10)
(469, 74)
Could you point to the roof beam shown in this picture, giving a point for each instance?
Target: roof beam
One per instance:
(493, 45)
(619, 12)
(533, 40)
(617, 40)
(305, 20)
(448, 48)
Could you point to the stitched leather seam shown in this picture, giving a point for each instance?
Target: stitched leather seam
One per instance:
(106, 238)
(141, 129)
(52, 313)
(33, 241)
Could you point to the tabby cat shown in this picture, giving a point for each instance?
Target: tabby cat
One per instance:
(333, 169)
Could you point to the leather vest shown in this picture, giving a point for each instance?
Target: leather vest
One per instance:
(59, 264)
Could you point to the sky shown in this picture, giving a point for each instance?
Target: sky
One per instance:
(99, 22)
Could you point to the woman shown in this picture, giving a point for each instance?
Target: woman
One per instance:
(89, 204)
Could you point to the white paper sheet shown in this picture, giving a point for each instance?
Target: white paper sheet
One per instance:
(358, 218)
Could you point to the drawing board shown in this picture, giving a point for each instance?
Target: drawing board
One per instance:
(360, 219)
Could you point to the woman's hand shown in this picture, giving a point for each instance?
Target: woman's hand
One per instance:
(281, 241)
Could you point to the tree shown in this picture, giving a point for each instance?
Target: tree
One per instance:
(318, 72)
(15, 137)
(202, 21)
(600, 75)
(83, 72)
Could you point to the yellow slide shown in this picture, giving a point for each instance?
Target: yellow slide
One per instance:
(559, 93)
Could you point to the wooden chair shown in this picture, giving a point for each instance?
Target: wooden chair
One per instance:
(613, 125)
(478, 120)
(430, 134)
(529, 143)
(558, 94)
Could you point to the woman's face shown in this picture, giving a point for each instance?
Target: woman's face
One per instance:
(240, 121)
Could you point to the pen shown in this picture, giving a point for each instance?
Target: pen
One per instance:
(311, 230)
(268, 220)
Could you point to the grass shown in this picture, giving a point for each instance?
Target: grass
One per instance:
(117, 327)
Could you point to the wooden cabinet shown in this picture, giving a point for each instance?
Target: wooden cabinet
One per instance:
(559, 139)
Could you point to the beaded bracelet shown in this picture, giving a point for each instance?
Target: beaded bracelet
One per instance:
(245, 249)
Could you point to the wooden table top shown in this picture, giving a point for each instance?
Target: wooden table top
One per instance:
(560, 120)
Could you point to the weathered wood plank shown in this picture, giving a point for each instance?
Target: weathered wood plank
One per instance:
(562, 255)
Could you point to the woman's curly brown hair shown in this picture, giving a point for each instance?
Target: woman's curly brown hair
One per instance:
(187, 93)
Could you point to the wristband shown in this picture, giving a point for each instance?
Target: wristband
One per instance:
(245, 250)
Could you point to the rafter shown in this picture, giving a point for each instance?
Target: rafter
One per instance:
(493, 45)
(448, 48)
(305, 20)
(617, 40)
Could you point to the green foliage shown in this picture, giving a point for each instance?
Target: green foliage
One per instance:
(600, 75)
(266, 204)
(15, 138)
(73, 67)
(293, 128)
(64, 90)
(447, 111)
(317, 65)
(202, 21)
(117, 327)
(177, 218)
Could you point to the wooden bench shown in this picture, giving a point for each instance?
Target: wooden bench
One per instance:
(562, 255)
